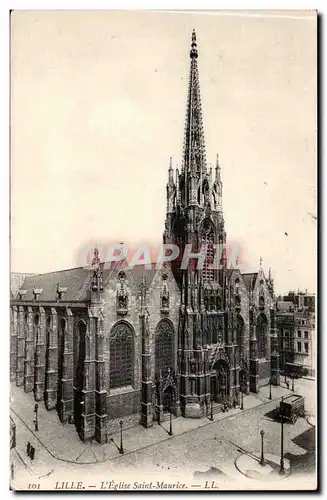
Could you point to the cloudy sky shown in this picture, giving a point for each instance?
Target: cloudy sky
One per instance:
(98, 106)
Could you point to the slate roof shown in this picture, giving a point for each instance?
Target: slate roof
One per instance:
(285, 306)
(229, 272)
(78, 281)
(249, 280)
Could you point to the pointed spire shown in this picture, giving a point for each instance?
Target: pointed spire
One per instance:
(260, 263)
(218, 169)
(194, 159)
(171, 172)
(194, 49)
(269, 274)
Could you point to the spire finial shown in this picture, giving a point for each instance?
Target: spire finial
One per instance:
(218, 169)
(194, 50)
(260, 262)
(170, 163)
(96, 259)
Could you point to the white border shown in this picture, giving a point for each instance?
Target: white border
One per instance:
(172, 5)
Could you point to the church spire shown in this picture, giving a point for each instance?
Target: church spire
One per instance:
(194, 159)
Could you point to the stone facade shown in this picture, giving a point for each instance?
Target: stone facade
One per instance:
(117, 342)
(295, 322)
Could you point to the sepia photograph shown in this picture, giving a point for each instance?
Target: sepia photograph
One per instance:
(163, 250)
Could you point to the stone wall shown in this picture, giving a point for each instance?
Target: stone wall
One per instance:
(123, 404)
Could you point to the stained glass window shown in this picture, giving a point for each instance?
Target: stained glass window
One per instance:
(121, 356)
(79, 353)
(164, 348)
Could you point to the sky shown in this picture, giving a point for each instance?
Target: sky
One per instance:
(98, 101)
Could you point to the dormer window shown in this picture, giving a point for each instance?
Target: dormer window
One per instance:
(21, 294)
(37, 292)
(61, 290)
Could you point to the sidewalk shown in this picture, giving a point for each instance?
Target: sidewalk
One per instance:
(62, 442)
(250, 466)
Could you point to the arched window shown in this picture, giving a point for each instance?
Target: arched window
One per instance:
(61, 343)
(207, 239)
(261, 334)
(164, 348)
(36, 328)
(48, 334)
(240, 333)
(80, 355)
(121, 356)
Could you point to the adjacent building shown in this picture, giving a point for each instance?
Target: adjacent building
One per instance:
(295, 321)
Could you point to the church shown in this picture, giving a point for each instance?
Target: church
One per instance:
(114, 342)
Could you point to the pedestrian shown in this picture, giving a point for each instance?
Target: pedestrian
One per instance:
(234, 403)
(32, 453)
(28, 448)
(12, 470)
(287, 384)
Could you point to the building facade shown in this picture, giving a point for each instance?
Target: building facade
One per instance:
(127, 342)
(295, 322)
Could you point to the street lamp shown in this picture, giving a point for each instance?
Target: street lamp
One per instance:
(121, 449)
(206, 405)
(242, 388)
(211, 408)
(262, 460)
(293, 377)
(282, 469)
(170, 423)
(36, 422)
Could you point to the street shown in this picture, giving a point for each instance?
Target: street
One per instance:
(193, 454)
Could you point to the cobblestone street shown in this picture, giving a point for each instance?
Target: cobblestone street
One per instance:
(203, 446)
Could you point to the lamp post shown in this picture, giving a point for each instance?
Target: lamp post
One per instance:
(36, 421)
(293, 377)
(121, 449)
(282, 469)
(211, 407)
(262, 460)
(170, 423)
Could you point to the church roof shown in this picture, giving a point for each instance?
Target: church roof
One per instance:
(285, 306)
(75, 280)
(139, 271)
(249, 280)
(78, 281)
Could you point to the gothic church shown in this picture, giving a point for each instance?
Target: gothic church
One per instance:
(113, 342)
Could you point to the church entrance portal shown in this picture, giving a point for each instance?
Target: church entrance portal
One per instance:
(219, 382)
